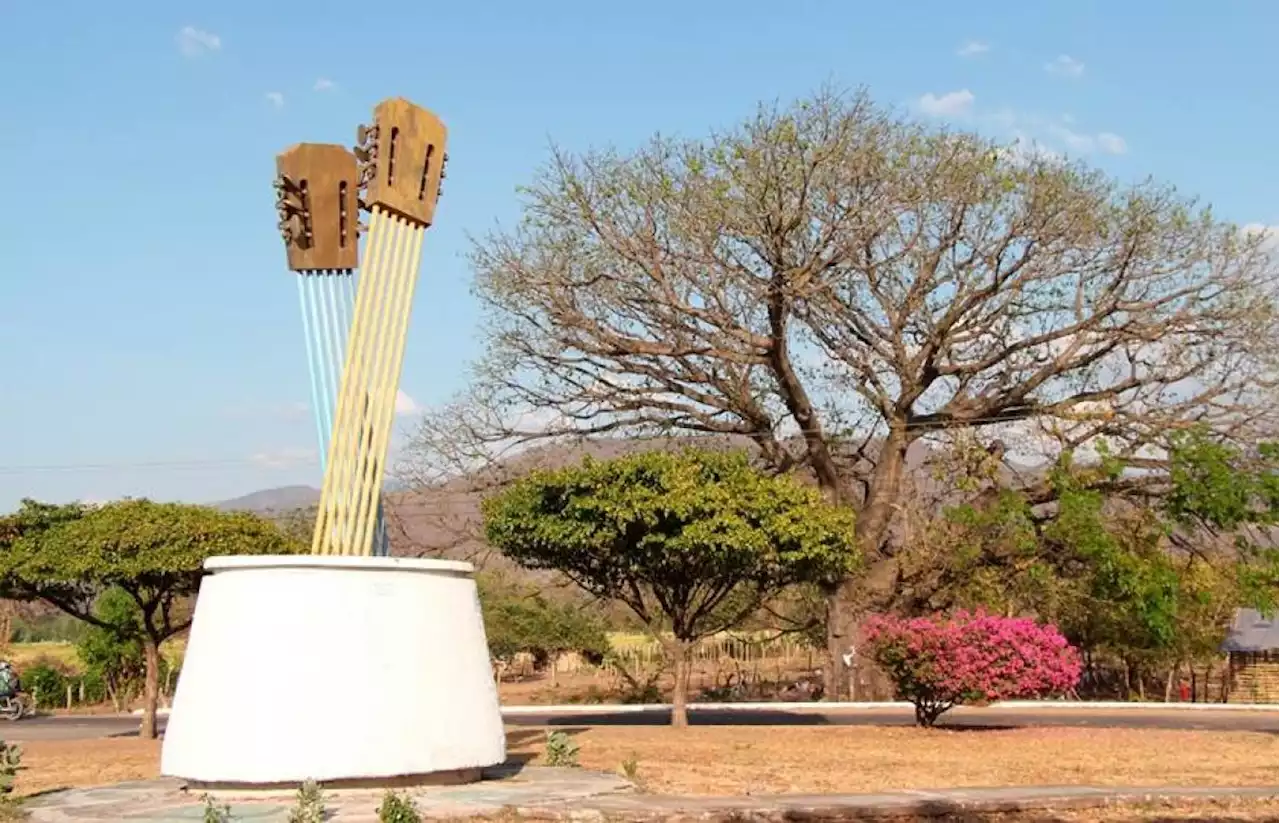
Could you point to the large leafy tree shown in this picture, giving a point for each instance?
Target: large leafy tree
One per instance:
(69, 556)
(693, 543)
(832, 282)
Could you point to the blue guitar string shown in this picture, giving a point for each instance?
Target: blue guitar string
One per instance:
(327, 300)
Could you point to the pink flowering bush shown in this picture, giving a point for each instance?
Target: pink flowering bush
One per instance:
(939, 662)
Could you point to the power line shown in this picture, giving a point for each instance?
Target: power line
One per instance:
(290, 461)
(265, 462)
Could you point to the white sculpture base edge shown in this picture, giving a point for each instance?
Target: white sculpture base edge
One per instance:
(333, 669)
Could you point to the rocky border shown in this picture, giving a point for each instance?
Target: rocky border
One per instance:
(550, 794)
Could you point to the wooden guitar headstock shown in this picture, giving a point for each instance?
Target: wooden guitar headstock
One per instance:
(318, 203)
(402, 159)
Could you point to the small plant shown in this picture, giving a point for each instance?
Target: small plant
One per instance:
(309, 807)
(561, 750)
(398, 808)
(631, 768)
(10, 764)
(213, 813)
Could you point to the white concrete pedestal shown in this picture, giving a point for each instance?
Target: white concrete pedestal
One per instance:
(333, 669)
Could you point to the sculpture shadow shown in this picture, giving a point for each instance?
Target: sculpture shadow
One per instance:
(516, 762)
(662, 717)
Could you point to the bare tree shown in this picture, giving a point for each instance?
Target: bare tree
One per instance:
(834, 282)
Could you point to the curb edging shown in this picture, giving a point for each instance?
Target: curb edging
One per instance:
(815, 706)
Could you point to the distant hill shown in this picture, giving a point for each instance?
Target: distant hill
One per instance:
(281, 499)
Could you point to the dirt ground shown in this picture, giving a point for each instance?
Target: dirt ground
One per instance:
(761, 759)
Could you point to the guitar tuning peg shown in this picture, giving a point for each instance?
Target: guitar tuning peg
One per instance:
(362, 154)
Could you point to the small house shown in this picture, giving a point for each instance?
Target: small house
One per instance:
(1253, 650)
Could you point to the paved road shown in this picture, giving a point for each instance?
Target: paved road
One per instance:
(966, 718)
(86, 727)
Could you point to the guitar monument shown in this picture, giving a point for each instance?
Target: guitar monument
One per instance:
(345, 666)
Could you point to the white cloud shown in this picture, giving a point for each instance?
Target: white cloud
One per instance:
(325, 84)
(1064, 65)
(275, 98)
(1081, 143)
(193, 42)
(1024, 149)
(951, 104)
(1112, 143)
(406, 404)
(973, 48)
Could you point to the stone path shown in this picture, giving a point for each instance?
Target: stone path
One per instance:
(550, 794)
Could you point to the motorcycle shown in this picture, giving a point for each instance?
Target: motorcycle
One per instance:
(16, 707)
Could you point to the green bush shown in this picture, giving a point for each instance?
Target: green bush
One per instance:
(10, 764)
(46, 681)
(214, 813)
(398, 808)
(519, 618)
(309, 805)
(114, 656)
(90, 688)
(561, 750)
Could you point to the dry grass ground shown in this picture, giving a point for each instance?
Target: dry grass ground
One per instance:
(754, 760)
(761, 759)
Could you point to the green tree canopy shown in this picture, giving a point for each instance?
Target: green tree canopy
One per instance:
(69, 555)
(693, 543)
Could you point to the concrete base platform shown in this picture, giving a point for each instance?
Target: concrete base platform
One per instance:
(333, 669)
(168, 799)
(541, 793)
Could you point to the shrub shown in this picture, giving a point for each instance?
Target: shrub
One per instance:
(939, 662)
(520, 619)
(90, 688)
(46, 681)
(114, 656)
(561, 750)
(309, 805)
(398, 808)
(213, 813)
(10, 763)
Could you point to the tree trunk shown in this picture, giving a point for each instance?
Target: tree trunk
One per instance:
(848, 674)
(151, 688)
(680, 693)
(1169, 681)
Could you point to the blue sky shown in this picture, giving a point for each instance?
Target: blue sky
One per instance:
(146, 315)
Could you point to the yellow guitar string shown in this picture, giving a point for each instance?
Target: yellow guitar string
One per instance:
(383, 417)
(339, 441)
(356, 434)
(366, 402)
(381, 338)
